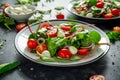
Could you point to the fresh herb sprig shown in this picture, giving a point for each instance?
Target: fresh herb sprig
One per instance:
(6, 21)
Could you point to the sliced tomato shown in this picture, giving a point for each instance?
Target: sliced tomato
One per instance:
(100, 4)
(116, 28)
(40, 48)
(83, 51)
(66, 28)
(32, 43)
(97, 77)
(64, 53)
(108, 16)
(45, 25)
(20, 26)
(115, 12)
(52, 32)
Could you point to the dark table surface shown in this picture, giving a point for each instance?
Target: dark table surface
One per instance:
(109, 65)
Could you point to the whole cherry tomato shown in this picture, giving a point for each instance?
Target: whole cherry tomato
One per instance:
(20, 26)
(100, 4)
(115, 12)
(66, 28)
(116, 28)
(97, 77)
(83, 51)
(64, 53)
(32, 43)
(40, 48)
(60, 16)
(52, 32)
(108, 16)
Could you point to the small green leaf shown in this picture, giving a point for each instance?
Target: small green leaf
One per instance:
(58, 8)
(92, 2)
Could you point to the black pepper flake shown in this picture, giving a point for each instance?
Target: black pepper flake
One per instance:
(113, 63)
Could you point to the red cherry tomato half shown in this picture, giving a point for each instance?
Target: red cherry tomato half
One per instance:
(83, 51)
(6, 5)
(116, 28)
(64, 53)
(32, 43)
(66, 28)
(52, 32)
(60, 16)
(115, 12)
(20, 26)
(45, 25)
(100, 4)
(40, 48)
(108, 16)
(97, 77)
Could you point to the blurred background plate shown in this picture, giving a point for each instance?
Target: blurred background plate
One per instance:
(22, 37)
(116, 20)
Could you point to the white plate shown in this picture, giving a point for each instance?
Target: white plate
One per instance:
(22, 37)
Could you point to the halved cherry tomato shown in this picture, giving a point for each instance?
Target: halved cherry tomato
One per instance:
(115, 12)
(83, 51)
(32, 43)
(99, 0)
(45, 25)
(20, 26)
(52, 32)
(66, 28)
(97, 77)
(6, 5)
(100, 4)
(116, 28)
(107, 16)
(40, 48)
(60, 16)
(64, 53)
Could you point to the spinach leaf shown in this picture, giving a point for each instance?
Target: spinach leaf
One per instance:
(92, 2)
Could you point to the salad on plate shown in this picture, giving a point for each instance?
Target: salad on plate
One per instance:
(97, 8)
(64, 42)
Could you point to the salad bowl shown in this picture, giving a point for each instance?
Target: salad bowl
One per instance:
(99, 51)
(87, 10)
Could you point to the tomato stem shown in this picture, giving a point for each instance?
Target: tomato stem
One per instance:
(29, 28)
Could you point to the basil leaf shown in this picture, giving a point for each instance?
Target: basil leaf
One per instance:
(92, 2)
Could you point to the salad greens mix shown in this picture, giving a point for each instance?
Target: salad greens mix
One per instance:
(97, 8)
(68, 41)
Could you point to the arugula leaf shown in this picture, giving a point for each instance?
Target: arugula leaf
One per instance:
(2, 43)
(8, 66)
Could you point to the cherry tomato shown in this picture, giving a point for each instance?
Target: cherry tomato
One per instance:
(45, 25)
(32, 43)
(115, 12)
(64, 53)
(6, 5)
(99, 0)
(66, 28)
(20, 26)
(52, 32)
(116, 28)
(83, 51)
(97, 77)
(40, 48)
(60, 16)
(107, 16)
(100, 4)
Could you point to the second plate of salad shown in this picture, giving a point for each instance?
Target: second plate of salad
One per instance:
(62, 43)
